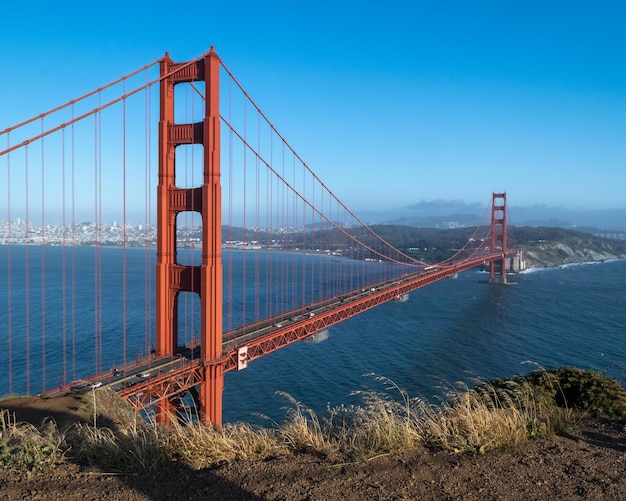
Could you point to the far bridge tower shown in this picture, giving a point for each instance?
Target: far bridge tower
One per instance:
(497, 273)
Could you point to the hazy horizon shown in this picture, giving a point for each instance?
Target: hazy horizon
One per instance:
(537, 215)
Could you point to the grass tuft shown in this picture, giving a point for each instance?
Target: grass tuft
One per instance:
(24, 447)
(131, 449)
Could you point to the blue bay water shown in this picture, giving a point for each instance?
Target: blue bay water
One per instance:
(449, 331)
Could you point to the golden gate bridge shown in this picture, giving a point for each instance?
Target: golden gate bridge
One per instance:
(231, 192)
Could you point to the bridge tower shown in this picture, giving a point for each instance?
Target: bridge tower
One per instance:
(172, 277)
(497, 273)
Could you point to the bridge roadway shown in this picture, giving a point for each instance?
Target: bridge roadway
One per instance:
(146, 381)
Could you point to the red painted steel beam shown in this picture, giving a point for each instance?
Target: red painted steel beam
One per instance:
(164, 387)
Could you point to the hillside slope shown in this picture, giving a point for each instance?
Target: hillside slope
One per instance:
(548, 247)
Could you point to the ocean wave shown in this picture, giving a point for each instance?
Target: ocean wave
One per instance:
(533, 270)
(318, 337)
(585, 263)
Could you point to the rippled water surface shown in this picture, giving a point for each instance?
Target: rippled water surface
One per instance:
(452, 330)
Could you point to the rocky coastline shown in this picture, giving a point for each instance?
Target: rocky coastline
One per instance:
(577, 249)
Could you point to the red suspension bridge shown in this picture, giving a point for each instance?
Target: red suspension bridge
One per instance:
(253, 251)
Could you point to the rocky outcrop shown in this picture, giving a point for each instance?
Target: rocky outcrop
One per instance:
(545, 254)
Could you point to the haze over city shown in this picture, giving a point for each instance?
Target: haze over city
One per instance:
(398, 107)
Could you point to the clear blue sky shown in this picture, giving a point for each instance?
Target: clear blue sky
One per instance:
(416, 100)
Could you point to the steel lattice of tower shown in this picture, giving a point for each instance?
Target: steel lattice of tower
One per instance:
(172, 277)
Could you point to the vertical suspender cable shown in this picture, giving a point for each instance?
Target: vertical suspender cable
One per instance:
(148, 225)
(269, 206)
(323, 238)
(270, 270)
(285, 262)
(189, 259)
(43, 268)
(294, 225)
(73, 254)
(291, 224)
(257, 225)
(27, 275)
(191, 298)
(304, 235)
(348, 286)
(9, 291)
(124, 323)
(245, 179)
(187, 308)
(229, 296)
(313, 246)
(63, 263)
(275, 263)
(95, 248)
(299, 222)
(334, 270)
(100, 239)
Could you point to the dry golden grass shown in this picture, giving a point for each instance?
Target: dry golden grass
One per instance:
(203, 445)
(127, 449)
(483, 420)
(492, 415)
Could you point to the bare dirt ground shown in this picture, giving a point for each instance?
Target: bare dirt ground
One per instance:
(590, 465)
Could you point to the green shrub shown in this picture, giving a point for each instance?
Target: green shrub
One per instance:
(24, 447)
(589, 391)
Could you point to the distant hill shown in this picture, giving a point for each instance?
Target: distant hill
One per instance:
(451, 221)
(542, 246)
(547, 247)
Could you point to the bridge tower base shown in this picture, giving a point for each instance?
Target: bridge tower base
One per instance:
(497, 272)
(171, 276)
